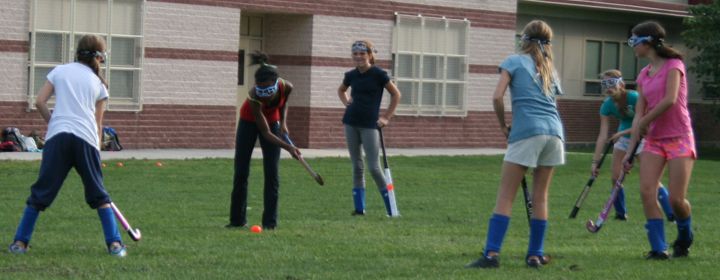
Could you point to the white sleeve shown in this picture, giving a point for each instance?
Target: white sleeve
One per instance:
(103, 93)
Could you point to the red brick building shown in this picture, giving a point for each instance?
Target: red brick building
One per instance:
(177, 69)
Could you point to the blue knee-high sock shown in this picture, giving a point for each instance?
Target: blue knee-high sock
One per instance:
(27, 224)
(496, 233)
(537, 237)
(664, 199)
(656, 234)
(684, 227)
(109, 225)
(359, 199)
(620, 208)
(386, 200)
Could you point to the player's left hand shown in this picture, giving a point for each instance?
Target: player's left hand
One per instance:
(382, 121)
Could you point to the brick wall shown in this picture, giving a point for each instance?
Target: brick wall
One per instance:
(156, 127)
(488, 5)
(582, 122)
(194, 27)
(15, 21)
(14, 73)
(478, 129)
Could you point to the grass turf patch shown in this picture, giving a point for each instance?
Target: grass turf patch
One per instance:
(445, 203)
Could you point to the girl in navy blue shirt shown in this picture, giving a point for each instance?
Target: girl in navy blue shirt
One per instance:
(362, 119)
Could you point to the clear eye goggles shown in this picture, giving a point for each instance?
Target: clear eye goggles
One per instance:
(267, 91)
(609, 83)
(635, 40)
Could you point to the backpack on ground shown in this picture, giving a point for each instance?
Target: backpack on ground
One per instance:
(39, 140)
(12, 135)
(110, 140)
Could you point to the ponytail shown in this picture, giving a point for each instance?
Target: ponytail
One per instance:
(536, 43)
(667, 52)
(266, 72)
(90, 47)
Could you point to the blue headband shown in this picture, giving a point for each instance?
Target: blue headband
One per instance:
(635, 40)
(360, 46)
(86, 53)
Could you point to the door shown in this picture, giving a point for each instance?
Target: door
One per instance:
(252, 32)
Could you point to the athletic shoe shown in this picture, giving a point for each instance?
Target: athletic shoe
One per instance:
(268, 227)
(671, 218)
(356, 213)
(621, 217)
(119, 251)
(234, 226)
(485, 262)
(537, 262)
(17, 249)
(660, 256)
(681, 248)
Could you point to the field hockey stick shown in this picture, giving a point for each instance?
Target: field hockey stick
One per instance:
(526, 195)
(394, 212)
(304, 163)
(528, 201)
(135, 234)
(589, 183)
(595, 227)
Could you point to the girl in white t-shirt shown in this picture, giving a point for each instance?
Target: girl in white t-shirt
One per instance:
(72, 141)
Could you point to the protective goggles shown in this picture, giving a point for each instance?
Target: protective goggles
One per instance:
(609, 83)
(267, 91)
(634, 40)
(93, 54)
(360, 46)
(540, 41)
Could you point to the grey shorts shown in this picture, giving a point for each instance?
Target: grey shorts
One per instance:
(623, 143)
(540, 150)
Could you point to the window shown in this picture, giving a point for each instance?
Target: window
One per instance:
(605, 55)
(431, 65)
(58, 25)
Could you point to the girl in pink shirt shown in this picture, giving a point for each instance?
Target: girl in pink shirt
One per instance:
(662, 117)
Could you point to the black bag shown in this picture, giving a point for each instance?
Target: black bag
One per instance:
(111, 141)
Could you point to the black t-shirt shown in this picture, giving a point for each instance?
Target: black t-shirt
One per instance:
(367, 92)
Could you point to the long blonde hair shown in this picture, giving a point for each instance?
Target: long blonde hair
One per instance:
(536, 42)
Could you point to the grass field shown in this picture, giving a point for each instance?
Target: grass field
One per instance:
(445, 202)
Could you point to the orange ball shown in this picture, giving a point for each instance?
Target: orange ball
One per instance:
(159, 164)
(120, 164)
(256, 229)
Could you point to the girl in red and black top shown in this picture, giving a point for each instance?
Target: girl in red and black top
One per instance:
(263, 113)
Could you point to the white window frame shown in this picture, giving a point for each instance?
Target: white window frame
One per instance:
(133, 104)
(441, 109)
(622, 49)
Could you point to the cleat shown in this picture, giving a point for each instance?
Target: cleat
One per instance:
(621, 217)
(660, 256)
(234, 226)
(537, 262)
(17, 249)
(485, 262)
(356, 213)
(117, 250)
(681, 248)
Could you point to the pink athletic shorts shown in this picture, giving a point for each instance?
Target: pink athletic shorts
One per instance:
(671, 148)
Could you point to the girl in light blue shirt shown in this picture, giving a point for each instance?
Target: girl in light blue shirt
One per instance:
(535, 141)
